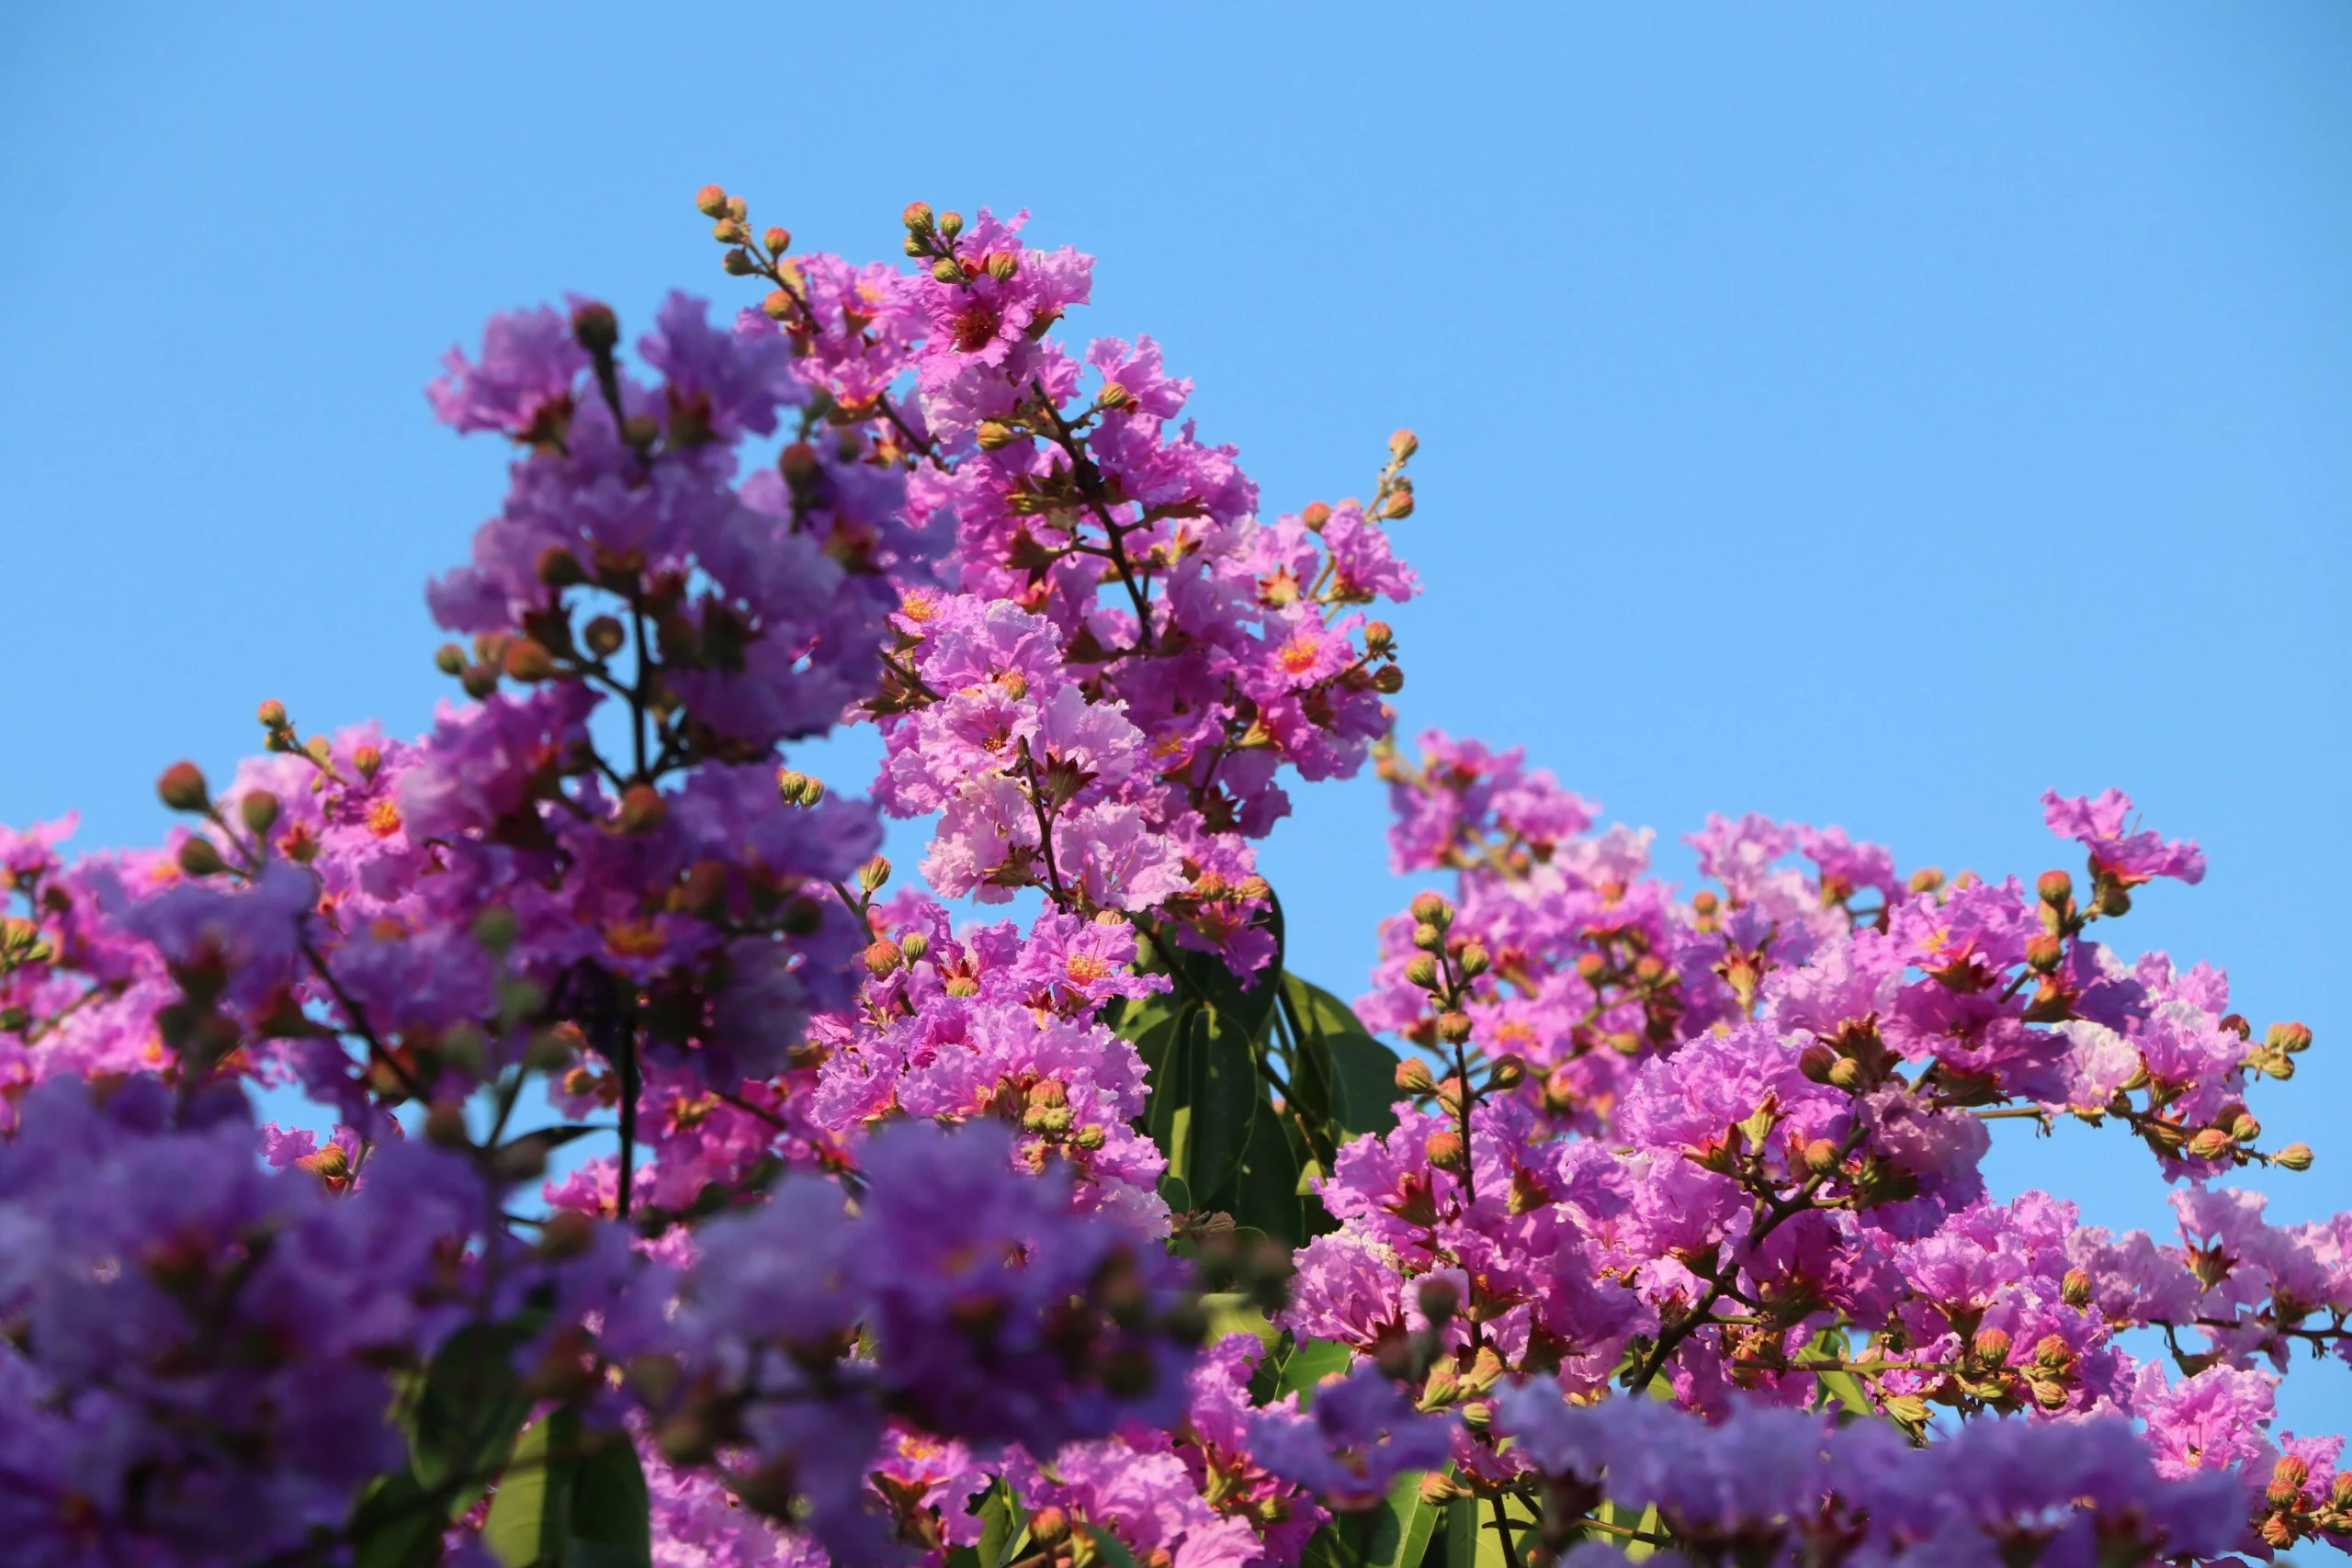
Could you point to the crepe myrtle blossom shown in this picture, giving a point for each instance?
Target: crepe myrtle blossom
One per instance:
(658, 1175)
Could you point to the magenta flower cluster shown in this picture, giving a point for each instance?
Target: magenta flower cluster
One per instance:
(680, 1192)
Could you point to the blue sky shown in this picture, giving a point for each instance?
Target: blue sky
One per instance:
(1869, 416)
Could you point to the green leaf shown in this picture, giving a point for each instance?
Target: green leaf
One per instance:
(1361, 1071)
(1320, 1010)
(1402, 1525)
(1231, 1313)
(396, 1525)
(569, 1499)
(610, 1513)
(1307, 1364)
(1367, 1073)
(1204, 1096)
(462, 1421)
(1471, 1539)
(1265, 1189)
(1112, 1549)
(531, 1493)
(1005, 1526)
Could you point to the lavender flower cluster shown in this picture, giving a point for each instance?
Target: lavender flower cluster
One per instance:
(1616, 1219)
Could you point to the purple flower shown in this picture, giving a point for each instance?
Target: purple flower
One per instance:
(1359, 1435)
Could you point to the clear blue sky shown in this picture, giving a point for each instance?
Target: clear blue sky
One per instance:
(1869, 415)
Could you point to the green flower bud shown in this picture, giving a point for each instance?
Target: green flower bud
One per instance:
(182, 787)
(201, 857)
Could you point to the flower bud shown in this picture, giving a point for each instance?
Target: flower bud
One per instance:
(994, 434)
(1379, 637)
(1454, 1028)
(1445, 1150)
(1002, 265)
(712, 201)
(2287, 1478)
(568, 1233)
(559, 568)
(777, 305)
(551, 1050)
(1473, 961)
(2053, 1352)
(1403, 445)
(2294, 1157)
(1413, 1077)
(2044, 953)
(1388, 680)
(1816, 1061)
(1991, 1346)
(2211, 1144)
(881, 957)
(595, 328)
(874, 872)
(944, 270)
(2055, 886)
(2289, 1037)
(737, 263)
(259, 809)
(496, 928)
(914, 944)
(1506, 1072)
(182, 787)
(2244, 1128)
(272, 715)
(1048, 1527)
(1315, 514)
(528, 660)
(1844, 1073)
(604, 637)
(1431, 910)
(1428, 938)
(1438, 1300)
(642, 809)
(201, 857)
(1926, 879)
(1821, 1157)
(2075, 1290)
(776, 240)
(951, 224)
(444, 1126)
(2114, 901)
(1420, 972)
(449, 658)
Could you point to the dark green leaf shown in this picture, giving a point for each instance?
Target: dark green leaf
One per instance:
(1204, 1095)
(569, 1499)
(1361, 1071)
(609, 1508)
(1265, 1190)
(1367, 1074)
(396, 1525)
(468, 1408)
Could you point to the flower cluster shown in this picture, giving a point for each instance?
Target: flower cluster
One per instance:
(1092, 1237)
